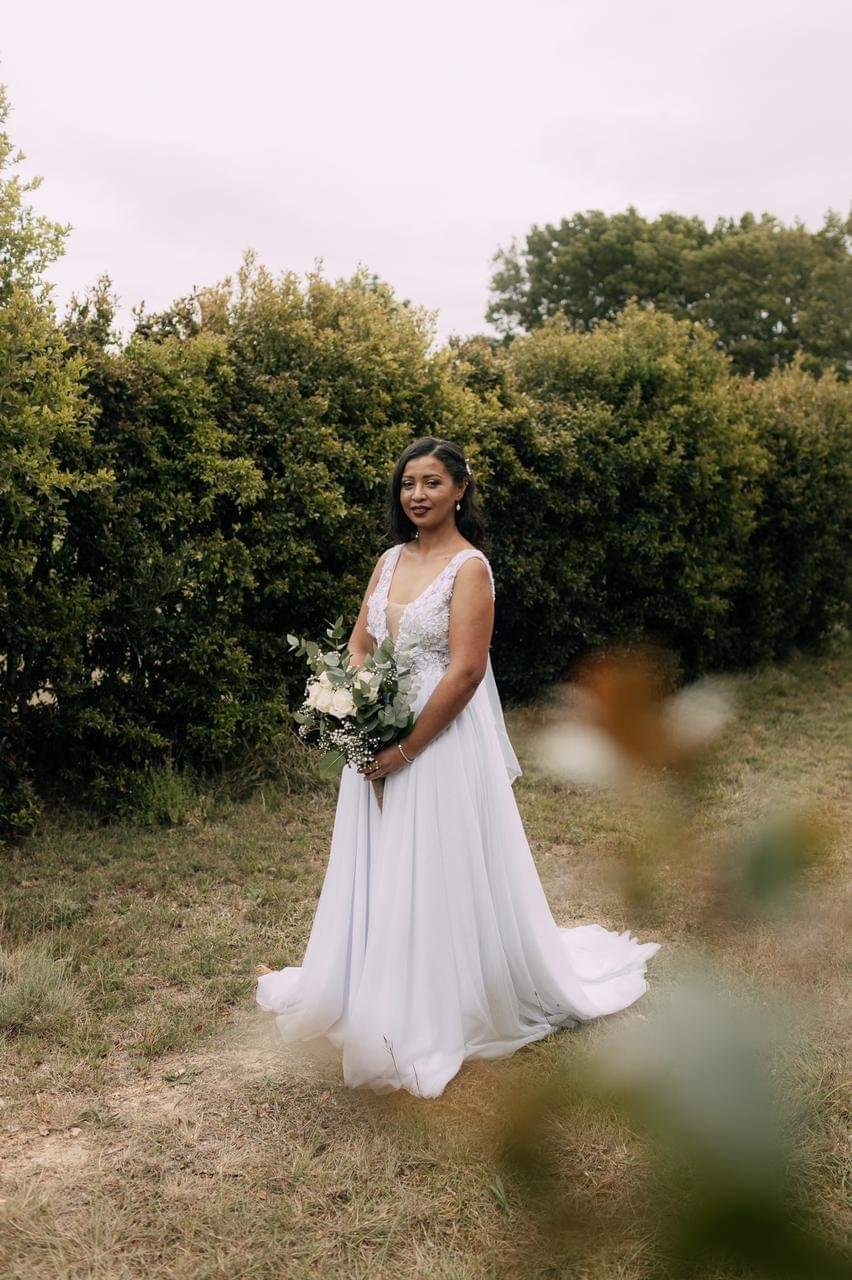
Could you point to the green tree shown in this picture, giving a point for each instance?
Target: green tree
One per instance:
(766, 291)
(44, 431)
(29, 242)
(769, 292)
(588, 266)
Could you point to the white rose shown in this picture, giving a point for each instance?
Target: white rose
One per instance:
(342, 703)
(318, 691)
(368, 684)
(324, 699)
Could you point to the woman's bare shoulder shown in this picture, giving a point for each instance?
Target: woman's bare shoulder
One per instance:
(480, 554)
(476, 570)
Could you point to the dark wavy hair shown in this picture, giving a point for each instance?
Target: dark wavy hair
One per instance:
(470, 520)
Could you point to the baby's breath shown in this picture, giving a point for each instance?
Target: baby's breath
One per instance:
(354, 712)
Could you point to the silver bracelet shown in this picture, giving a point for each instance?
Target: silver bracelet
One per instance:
(404, 756)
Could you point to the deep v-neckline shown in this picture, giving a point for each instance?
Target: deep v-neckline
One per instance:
(396, 604)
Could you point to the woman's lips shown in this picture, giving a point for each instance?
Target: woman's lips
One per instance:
(420, 511)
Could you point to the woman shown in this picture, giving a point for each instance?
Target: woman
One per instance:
(433, 941)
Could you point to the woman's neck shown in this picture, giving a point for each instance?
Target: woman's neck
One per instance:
(438, 542)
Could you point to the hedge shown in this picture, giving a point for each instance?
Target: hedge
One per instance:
(194, 493)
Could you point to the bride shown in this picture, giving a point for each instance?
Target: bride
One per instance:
(432, 941)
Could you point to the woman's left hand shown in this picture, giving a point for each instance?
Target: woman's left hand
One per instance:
(388, 760)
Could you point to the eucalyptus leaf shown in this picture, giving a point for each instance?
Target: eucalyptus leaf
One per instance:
(331, 765)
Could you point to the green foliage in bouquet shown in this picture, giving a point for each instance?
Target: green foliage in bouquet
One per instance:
(352, 710)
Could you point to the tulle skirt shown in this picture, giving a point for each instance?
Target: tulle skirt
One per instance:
(433, 941)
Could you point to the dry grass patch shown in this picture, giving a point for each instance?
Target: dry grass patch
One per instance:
(153, 1123)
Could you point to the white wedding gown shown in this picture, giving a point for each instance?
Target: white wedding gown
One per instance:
(433, 941)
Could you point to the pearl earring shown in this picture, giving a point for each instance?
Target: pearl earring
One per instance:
(458, 506)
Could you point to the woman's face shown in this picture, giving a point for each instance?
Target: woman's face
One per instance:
(428, 492)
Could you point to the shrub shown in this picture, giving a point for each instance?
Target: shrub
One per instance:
(796, 585)
(184, 499)
(656, 483)
(248, 431)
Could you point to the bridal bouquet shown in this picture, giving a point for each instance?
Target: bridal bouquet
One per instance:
(351, 712)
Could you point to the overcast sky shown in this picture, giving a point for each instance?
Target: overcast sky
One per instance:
(414, 138)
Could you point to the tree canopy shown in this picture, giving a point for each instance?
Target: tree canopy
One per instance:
(766, 291)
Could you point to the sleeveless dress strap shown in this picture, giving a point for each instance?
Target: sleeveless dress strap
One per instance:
(466, 555)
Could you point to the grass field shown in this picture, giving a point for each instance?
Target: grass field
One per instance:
(153, 1125)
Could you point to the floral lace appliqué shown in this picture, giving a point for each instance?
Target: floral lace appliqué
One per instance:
(427, 617)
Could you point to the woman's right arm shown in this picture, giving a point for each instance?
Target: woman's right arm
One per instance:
(360, 642)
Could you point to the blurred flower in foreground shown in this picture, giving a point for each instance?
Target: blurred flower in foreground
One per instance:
(758, 875)
(702, 1078)
(625, 730)
(627, 721)
(700, 1082)
(628, 729)
(669, 1137)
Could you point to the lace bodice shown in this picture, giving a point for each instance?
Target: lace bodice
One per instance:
(427, 616)
(425, 621)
